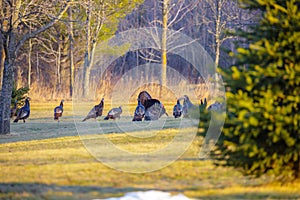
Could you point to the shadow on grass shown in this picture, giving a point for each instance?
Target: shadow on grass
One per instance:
(47, 128)
(44, 191)
(250, 195)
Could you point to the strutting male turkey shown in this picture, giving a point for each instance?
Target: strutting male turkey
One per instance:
(24, 112)
(139, 112)
(13, 110)
(96, 111)
(58, 110)
(144, 96)
(177, 110)
(154, 109)
(114, 113)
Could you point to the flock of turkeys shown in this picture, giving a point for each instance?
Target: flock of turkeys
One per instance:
(147, 109)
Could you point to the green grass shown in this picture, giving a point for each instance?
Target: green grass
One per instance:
(41, 161)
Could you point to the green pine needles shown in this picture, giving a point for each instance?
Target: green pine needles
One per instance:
(262, 130)
(18, 94)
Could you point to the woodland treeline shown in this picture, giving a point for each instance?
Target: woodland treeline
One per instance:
(49, 62)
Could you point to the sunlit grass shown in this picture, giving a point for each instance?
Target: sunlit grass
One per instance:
(63, 168)
(53, 162)
(74, 108)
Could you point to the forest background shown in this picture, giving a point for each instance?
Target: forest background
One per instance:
(59, 59)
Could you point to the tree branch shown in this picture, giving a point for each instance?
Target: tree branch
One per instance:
(42, 29)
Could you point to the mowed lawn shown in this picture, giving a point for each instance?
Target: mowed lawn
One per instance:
(42, 159)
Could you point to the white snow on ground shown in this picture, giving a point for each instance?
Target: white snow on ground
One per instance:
(150, 195)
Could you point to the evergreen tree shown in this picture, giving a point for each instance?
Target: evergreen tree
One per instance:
(262, 131)
(18, 94)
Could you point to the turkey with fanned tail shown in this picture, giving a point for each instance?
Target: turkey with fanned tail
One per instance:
(143, 97)
(24, 112)
(114, 113)
(96, 111)
(58, 110)
(139, 112)
(154, 109)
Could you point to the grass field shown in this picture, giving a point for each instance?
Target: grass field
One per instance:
(42, 159)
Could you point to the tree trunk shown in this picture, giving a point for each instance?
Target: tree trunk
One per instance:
(7, 83)
(86, 76)
(86, 65)
(29, 63)
(9, 46)
(164, 45)
(2, 57)
(37, 68)
(71, 51)
(6, 98)
(58, 64)
(218, 32)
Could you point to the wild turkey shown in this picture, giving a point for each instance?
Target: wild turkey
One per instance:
(217, 106)
(154, 109)
(177, 110)
(114, 113)
(139, 112)
(143, 97)
(24, 112)
(96, 111)
(58, 110)
(13, 110)
(187, 105)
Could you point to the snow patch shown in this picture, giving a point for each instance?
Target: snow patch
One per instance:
(150, 195)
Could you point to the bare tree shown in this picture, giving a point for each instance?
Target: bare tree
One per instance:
(167, 14)
(16, 14)
(51, 47)
(71, 50)
(89, 45)
(221, 16)
(99, 13)
(29, 59)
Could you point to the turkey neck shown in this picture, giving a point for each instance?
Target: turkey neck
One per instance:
(140, 103)
(27, 105)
